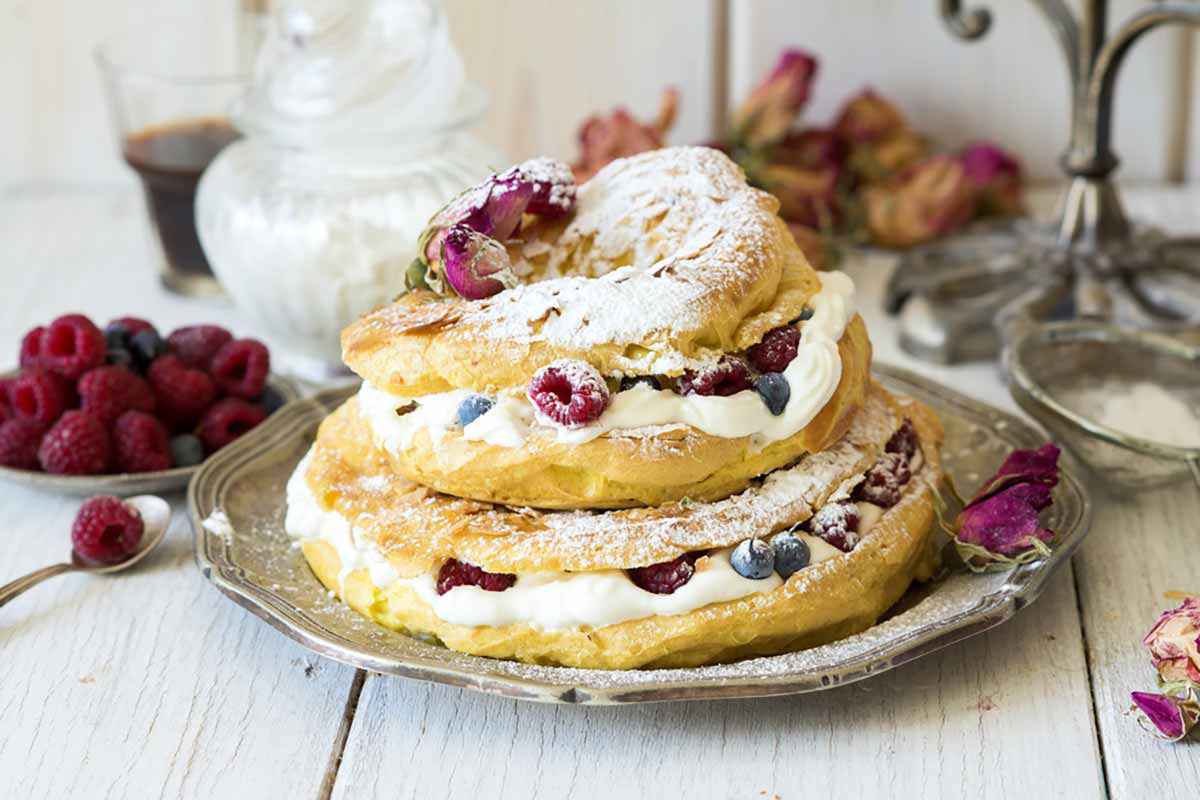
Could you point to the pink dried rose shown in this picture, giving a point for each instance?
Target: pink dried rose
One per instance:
(474, 265)
(1000, 526)
(876, 161)
(868, 117)
(810, 148)
(997, 175)
(1171, 717)
(462, 249)
(1174, 644)
(775, 103)
(605, 139)
(881, 142)
(806, 196)
(931, 199)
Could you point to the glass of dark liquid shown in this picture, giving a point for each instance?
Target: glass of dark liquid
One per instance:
(170, 92)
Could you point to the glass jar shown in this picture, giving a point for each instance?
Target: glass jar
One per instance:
(313, 217)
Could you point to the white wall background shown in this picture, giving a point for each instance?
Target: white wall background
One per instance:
(549, 64)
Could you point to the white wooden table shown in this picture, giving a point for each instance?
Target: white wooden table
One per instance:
(155, 685)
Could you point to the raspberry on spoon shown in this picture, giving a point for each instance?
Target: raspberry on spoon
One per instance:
(107, 530)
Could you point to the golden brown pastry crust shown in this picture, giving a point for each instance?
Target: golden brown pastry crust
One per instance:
(622, 469)
(418, 529)
(822, 603)
(670, 256)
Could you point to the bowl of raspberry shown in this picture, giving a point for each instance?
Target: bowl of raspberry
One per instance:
(123, 410)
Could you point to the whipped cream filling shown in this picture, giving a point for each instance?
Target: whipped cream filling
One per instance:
(543, 600)
(812, 376)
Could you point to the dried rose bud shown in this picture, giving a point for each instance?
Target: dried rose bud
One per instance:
(806, 196)
(997, 176)
(1000, 525)
(878, 160)
(492, 210)
(774, 104)
(1172, 717)
(1039, 466)
(474, 265)
(605, 139)
(551, 185)
(1174, 644)
(810, 148)
(929, 200)
(868, 117)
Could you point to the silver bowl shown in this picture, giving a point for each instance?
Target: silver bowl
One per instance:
(1050, 367)
(128, 483)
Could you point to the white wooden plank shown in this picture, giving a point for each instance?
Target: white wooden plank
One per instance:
(151, 683)
(1004, 715)
(1011, 86)
(1139, 548)
(548, 66)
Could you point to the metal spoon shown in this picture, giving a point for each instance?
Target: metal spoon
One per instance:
(156, 518)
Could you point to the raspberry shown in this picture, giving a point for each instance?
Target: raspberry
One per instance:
(70, 346)
(39, 395)
(729, 376)
(76, 445)
(884, 481)
(667, 576)
(19, 440)
(776, 350)
(837, 524)
(227, 420)
(459, 573)
(571, 393)
(108, 392)
(140, 443)
(197, 344)
(106, 530)
(904, 440)
(31, 347)
(240, 367)
(181, 394)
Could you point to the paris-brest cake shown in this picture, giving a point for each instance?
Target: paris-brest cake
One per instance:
(618, 425)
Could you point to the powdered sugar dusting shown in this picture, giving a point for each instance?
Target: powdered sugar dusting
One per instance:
(551, 179)
(656, 241)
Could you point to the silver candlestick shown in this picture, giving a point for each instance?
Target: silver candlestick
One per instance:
(957, 298)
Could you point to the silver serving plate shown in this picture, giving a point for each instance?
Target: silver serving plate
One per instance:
(257, 566)
(128, 483)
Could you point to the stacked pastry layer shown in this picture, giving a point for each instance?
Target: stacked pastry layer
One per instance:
(657, 445)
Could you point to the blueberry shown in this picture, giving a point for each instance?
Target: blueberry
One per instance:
(473, 408)
(791, 554)
(773, 388)
(271, 400)
(186, 450)
(146, 346)
(119, 356)
(648, 380)
(116, 336)
(754, 559)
